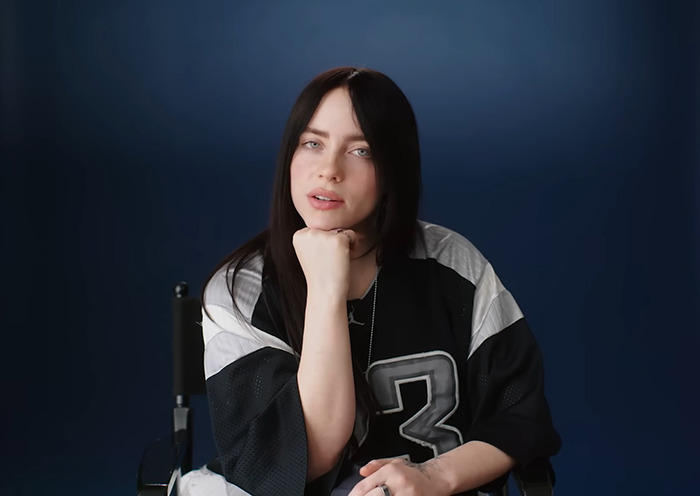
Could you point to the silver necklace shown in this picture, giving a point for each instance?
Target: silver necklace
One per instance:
(371, 327)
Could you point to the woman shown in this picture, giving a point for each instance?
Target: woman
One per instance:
(351, 348)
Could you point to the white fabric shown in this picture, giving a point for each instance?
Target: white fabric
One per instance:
(228, 338)
(204, 482)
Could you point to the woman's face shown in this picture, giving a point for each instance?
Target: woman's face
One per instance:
(332, 171)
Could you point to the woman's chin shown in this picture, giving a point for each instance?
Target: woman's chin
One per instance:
(332, 222)
(323, 225)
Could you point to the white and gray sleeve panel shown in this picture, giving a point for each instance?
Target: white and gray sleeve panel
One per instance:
(229, 335)
(494, 308)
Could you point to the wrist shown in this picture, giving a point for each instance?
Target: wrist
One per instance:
(439, 474)
(325, 307)
(327, 294)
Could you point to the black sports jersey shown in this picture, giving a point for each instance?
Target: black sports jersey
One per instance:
(452, 360)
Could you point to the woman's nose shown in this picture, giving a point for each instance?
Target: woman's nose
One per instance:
(331, 167)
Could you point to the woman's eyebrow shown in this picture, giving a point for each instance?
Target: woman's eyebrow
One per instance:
(324, 134)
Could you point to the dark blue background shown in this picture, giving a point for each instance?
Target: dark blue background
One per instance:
(138, 141)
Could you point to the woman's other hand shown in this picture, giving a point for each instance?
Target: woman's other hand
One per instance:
(402, 478)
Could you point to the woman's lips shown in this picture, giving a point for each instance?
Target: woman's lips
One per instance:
(324, 204)
(322, 199)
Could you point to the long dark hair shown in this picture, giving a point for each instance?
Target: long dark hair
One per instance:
(389, 125)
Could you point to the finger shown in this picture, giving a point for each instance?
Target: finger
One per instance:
(378, 491)
(384, 490)
(379, 476)
(367, 490)
(347, 233)
(373, 466)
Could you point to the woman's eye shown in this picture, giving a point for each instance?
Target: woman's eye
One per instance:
(362, 152)
(311, 144)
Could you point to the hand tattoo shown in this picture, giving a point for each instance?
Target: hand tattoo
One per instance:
(425, 468)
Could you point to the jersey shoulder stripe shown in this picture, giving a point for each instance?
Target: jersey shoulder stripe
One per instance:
(449, 249)
(494, 308)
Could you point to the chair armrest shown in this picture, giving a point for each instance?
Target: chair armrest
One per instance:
(161, 465)
(535, 479)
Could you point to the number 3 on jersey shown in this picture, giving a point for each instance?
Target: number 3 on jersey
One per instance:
(439, 372)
